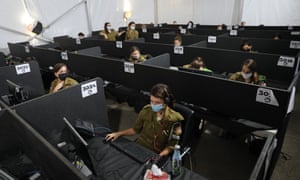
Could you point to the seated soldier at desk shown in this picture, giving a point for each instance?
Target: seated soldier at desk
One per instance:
(62, 80)
(110, 34)
(131, 33)
(247, 74)
(177, 40)
(197, 63)
(156, 122)
(136, 56)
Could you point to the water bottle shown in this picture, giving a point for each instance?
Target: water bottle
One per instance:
(176, 161)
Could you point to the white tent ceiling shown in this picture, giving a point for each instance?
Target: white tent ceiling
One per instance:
(73, 16)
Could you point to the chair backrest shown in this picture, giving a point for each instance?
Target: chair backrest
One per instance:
(187, 125)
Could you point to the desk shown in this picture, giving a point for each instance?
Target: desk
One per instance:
(110, 163)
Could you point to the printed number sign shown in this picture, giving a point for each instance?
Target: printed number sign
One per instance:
(233, 32)
(144, 30)
(183, 31)
(27, 49)
(295, 33)
(295, 44)
(229, 27)
(156, 36)
(266, 96)
(78, 41)
(212, 39)
(178, 50)
(119, 44)
(286, 61)
(64, 56)
(23, 68)
(89, 89)
(128, 67)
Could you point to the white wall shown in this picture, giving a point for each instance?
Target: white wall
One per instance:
(254, 12)
(180, 11)
(271, 12)
(213, 12)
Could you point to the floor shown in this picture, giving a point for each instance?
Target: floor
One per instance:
(217, 156)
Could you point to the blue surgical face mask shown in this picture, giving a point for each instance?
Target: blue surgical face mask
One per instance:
(157, 107)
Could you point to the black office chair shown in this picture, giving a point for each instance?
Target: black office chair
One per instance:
(188, 126)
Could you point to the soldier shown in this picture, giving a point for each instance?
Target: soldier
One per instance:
(131, 33)
(110, 34)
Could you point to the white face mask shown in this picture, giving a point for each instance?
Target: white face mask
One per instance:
(109, 28)
(246, 75)
(132, 27)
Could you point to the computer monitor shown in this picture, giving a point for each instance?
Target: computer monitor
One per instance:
(16, 93)
(195, 71)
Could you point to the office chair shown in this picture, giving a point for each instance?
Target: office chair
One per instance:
(188, 126)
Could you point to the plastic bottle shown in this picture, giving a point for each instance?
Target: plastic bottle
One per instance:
(176, 161)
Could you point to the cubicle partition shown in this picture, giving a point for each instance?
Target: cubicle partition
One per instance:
(280, 47)
(26, 75)
(19, 140)
(268, 34)
(169, 38)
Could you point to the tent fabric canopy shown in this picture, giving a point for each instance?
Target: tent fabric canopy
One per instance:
(73, 16)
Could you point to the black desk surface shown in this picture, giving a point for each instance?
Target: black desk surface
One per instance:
(112, 164)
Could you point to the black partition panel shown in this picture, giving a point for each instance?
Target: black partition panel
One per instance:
(19, 136)
(220, 95)
(169, 38)
(231, 61)
(19, 50)
(2, 60)
(47, 58)
(46, 113)
(159, 61)
(30, 79)
(281, 47)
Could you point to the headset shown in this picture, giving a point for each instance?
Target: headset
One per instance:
(167, 97)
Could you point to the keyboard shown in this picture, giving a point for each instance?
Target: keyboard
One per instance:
(134, 150)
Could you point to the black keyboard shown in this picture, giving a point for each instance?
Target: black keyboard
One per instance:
(134, 150)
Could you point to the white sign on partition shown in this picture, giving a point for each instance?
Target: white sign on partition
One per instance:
(286, 61)
(183, 31)
(290, 27)
(23, 69)
(27, 49)
(119, 44)
(156, 36)
(295, 33)
(89, 89)
(266, 96)
(129, 67)
(229, 27)
(78, 41)
(178, 50)
(295, 44)
(64, 56)
(212, 39)
(233, 32)
(144, 30)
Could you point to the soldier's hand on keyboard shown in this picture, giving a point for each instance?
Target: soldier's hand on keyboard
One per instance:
(112, 136)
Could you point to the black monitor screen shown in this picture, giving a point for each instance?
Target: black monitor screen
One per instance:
(16, 93)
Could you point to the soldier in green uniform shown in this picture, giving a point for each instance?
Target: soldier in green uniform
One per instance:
(198, 63)
(110, 34)
(248, 73)
(136, 56)
(131, 33)
(62, 80)
(156, 122)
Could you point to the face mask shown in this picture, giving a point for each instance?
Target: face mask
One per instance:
(135, 57)
(132, 27)
(156, 107)
(63, 76)
(109, 28)
(246, 75)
